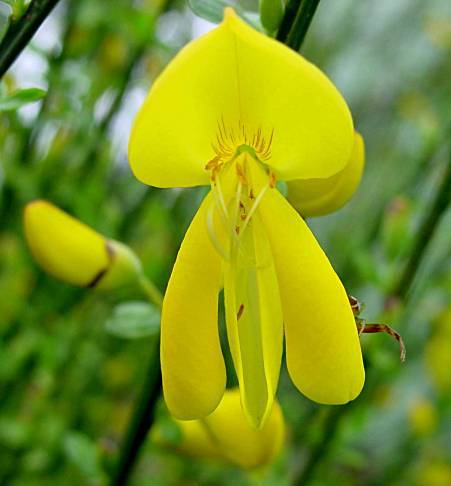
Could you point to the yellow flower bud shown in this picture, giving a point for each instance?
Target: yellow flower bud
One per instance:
(72, 252)
(226, 435)
(317, 197)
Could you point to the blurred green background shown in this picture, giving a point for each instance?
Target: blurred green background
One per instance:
(67, 385)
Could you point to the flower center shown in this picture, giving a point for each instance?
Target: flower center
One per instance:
(239, 180)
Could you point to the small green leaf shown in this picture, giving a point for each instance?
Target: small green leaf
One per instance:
(213, 11)
(20, 98)
(82, 452)
(134, 320)
(271, 13)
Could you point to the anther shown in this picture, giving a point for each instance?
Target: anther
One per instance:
(272, 180)
(240, 312)
(241, 175)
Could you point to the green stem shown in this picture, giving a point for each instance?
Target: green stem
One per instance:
(21, 31)
(425, 232)
(322, 448)
(55, 63)
(141, 421)
(301, 23)
(151, 291)
(143, 414)
(288, 19)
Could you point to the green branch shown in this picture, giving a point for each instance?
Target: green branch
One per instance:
(21, 31)
(425, 232)
(301, 23)
(141, 420)
(287, 21)
(296, 22)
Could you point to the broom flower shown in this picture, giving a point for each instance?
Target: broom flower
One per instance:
(239, 111)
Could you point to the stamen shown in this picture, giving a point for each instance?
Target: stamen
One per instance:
(272, 180)
(237, 205)
(221, 198)
(254, 206)
(212, 234)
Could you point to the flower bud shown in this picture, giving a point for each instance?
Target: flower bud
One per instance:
(271, 13)
(227, 435)
(317, 197)
(72, 252)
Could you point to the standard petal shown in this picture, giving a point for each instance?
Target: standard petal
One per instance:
(316, 197)
(171, 140)
(243, 81)
(191, 358)
(279, 90)
(322, 345)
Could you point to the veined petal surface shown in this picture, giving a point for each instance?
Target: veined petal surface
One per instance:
(191, 359)
(322, 345)
(241, 80)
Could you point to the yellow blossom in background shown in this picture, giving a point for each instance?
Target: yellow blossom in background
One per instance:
(423, 417)
(226, 435)
(317, 197)
(72, 252)
(433, 472)
(437, 354)
(239, 111)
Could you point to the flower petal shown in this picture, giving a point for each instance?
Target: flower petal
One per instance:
(173, 132)
(238, 77)
(254, 323)
(322, 345)
(226, 435)
(316, 197)
(191, 359)
(240, 443)
(65, 247)
(278, 89)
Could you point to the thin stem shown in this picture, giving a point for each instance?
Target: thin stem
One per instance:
(151, 291)
(425, 232)
(322, 448)
(141, 421)
(301, 23)
(288, 19)
(143, 414)
(21, 31)
(55, 63)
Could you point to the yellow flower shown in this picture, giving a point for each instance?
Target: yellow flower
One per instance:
(72, 252)
(226, 435)
(238, 110)
(316, 197)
